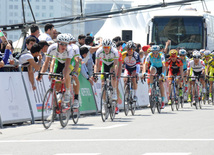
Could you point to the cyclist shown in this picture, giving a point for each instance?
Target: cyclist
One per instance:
(109, 56)
(209, 71)
(63, 54)
(185, 61)
(175, 68)
(196, 67)
(131, 60)
(157, 66)
(118, 75)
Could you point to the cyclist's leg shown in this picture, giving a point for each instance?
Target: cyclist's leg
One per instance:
(159, 72)
(134, 81)
(113, 82)
(211, 84)
(170, 85)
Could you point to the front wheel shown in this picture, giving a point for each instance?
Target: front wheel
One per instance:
(152, 100)
(172, 96)
(65, 111)
(75, 114)
(104, 107)
(126, 100)
(48, 108)
(112, 110)
(133, 107)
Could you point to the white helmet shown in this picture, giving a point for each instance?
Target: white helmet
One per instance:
(207, 52)
(63, 37)
(182, 52)
(71, 38)
(106, 42)
(155, 48)
(196, 54)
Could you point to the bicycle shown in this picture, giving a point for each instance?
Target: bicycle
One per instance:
(155, 97)
(207, 89)
(128, 96)
(199, 95)
(107, 108)
(176, 100)
(52, 106)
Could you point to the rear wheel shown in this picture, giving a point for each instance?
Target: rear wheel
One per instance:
(152, 100)
(126, 100)
(48, 108)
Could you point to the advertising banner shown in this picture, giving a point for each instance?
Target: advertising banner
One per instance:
(86, 96)
(14, 104)
(36, 96)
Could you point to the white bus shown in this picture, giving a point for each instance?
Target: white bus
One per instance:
(187, 29)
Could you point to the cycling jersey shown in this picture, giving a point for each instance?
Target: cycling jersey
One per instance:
(131, 63)
(196, 68)
(185, 62)
(61, 57)
(174, 67)
(155, 62)
(109, 58)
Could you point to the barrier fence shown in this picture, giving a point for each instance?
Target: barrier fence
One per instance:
(20, 103)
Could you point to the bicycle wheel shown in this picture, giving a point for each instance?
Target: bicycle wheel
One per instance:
(196, 97)
(172, 96)
(158, 102)
(65, 111)
(104, 108)
(133, 107)
(75, 114)
(48, 108)
(152, 100)
(182, 101)
(112, 109)
(177, 103)
(126, 100)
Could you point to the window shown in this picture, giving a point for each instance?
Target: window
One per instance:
(15, 21)
(11, 0)
(10, 6)
(43, 7)
(10, 21)
(15, 14)
(16, 7)
(43, 0)
(15, 36)
(51, 7)
(37, 14)
(51, 0)
(37, 0)
(37, 7)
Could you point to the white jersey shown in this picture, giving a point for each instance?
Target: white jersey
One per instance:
(61, 57)
(76, 50)
(45, 36)
(107, 59)
(196, 68)
(25, 57)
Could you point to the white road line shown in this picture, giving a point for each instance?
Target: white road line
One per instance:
(102, 140)
(108, 127)
(78, 154)
(167, 153)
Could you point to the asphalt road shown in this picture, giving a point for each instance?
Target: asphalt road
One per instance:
(184, 132)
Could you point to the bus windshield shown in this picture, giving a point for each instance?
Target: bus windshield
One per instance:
(184, 32)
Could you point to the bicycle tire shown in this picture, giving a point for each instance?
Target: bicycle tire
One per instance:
(48, 108)
(65, 111)
(158, 102)
(104, 108)
(126, 100)
(112, 110)
(133, 108)
(177, 104)
(172, 95)
(182, 101)
(75, 114)
(152, 100)
(196, 97)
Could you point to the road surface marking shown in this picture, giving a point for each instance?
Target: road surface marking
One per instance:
(102, 140)
(167, 153)
(108, 127)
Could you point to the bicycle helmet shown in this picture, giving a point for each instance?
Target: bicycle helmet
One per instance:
(155, 48)
(173, 51)
(106, 42)
(207, 53)
(130, 44)
(63, 37)
(202, 50)
(114, 45)
(196, 54)
(71, 38)
(182, 52)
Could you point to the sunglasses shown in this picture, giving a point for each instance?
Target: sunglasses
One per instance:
(130, 49)
(106, 47)
(155, 52)
(63, 44)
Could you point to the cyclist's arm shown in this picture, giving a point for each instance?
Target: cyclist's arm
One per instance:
(34, 64)
(145, 65)
(66, 68)
(119, 69)
(115, 66)
(52, 65)
(45, 65)
(76, 64)
(97, 65)
(182, 71)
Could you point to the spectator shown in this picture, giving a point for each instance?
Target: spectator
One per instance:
(1, 61)
(44, 47)
(81, 40)
(54, 34)
(29, 43)
(34, 33)
(48, 33)
(116, 39)
(3, 42)
(138, 48)
(27, 60)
